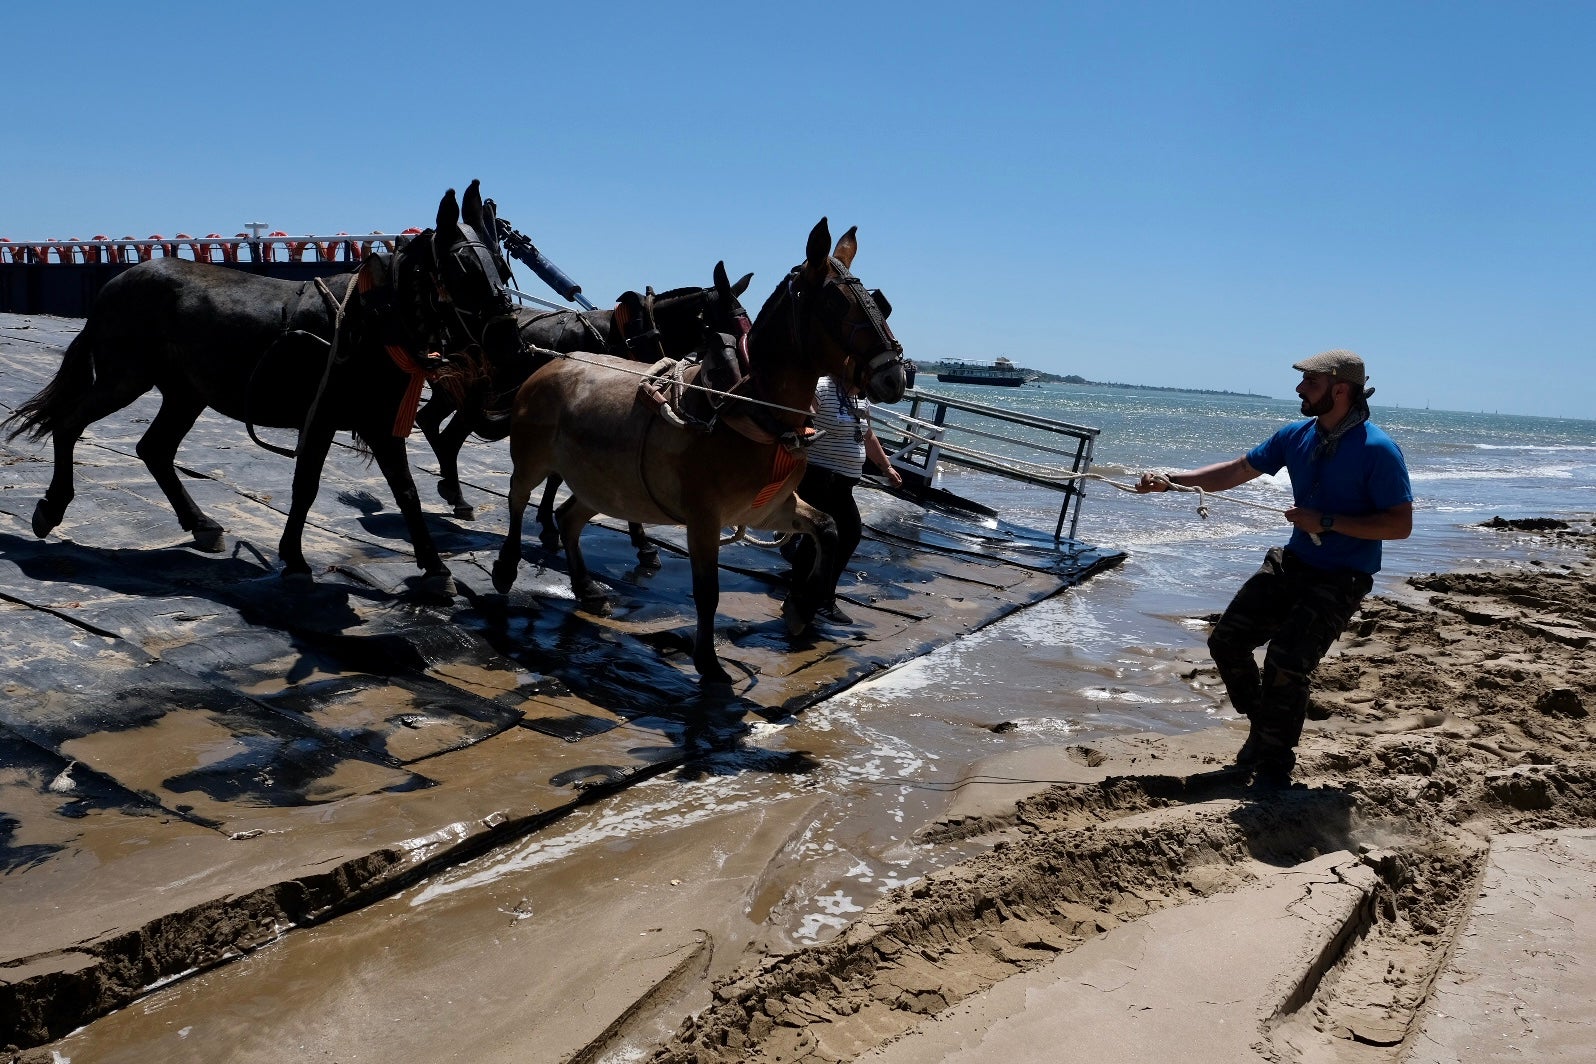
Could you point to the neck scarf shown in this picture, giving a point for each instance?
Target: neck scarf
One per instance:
(1329, 440)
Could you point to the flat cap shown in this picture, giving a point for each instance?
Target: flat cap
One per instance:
(1342, 365)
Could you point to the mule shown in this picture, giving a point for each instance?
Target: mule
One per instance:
(642, 327)
(352, 353)
(620, 457)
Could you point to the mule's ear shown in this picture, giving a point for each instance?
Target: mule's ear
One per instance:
(742, 286)
(847, 247)
(471, 205)
(448, 212)
(722, 282)
(819, 248)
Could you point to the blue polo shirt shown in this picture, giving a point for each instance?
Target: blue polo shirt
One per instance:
(1366, 474)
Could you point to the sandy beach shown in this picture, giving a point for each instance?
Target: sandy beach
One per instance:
(1451, 715)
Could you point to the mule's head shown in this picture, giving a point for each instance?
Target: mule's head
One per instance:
(676, 323)
(845, 323)
(469, 272)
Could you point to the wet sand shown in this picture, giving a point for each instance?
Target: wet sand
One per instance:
(649, 927)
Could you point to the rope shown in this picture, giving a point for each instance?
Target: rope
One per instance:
(657, 378)
(1045, 473)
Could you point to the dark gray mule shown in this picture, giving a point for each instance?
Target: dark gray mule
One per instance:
(349, 352)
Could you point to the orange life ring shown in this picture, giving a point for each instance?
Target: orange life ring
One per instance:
(213, 247)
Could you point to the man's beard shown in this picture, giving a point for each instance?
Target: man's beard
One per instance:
(1323, 406)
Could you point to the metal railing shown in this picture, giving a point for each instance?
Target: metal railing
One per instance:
(917, 442)
(274, 247)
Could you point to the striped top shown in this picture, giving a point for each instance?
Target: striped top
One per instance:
(845, 421)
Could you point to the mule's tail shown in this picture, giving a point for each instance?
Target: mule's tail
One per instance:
(39, 416)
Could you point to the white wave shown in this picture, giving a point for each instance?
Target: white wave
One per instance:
(1544, 472)
(1581, 447)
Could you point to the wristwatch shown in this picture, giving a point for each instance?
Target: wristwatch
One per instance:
(1326, 522)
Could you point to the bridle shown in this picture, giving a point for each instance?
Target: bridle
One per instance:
(839, 293)
(471, 256)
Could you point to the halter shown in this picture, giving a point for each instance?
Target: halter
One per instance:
(472, 254)
(869, 374)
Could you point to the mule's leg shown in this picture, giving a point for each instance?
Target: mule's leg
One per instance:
(389, 451)
(453, 438)
(550, 534)
(522, 480)
(314, 443)
(180, 408)
(446, 443)
(102, 400)
(573, 517)
(810, 590)
(647, 553)
(703, 548)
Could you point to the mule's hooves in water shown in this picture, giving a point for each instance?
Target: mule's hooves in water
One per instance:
(648, 560)
(210, 539)
(594, 599)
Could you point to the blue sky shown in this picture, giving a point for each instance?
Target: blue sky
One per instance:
(1186, 194)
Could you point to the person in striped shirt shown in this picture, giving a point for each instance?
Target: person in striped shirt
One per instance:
(836, 462)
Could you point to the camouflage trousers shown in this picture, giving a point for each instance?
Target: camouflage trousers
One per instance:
(1299, 611)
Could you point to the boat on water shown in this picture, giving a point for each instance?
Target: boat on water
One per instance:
(1000, 372)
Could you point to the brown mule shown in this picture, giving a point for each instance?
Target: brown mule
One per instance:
(588, 424)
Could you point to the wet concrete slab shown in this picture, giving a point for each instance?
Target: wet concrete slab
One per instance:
(196, 755)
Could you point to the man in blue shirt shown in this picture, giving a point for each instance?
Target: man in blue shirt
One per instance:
(1350, 487)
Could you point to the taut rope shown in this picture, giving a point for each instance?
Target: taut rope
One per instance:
(660, 378)
(1045, 473)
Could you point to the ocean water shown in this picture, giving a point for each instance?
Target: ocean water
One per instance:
(1117, 652)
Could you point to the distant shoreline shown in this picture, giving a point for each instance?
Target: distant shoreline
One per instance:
(1055, 378)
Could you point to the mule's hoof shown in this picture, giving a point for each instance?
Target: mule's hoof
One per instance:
(648, 560)
(209, 538)
(45, 518)
(504, 576)
(298, 579)
(551, 541)
(593, 598)
(796, 616)
(465, 511)
(714, 679)
(438, 585)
